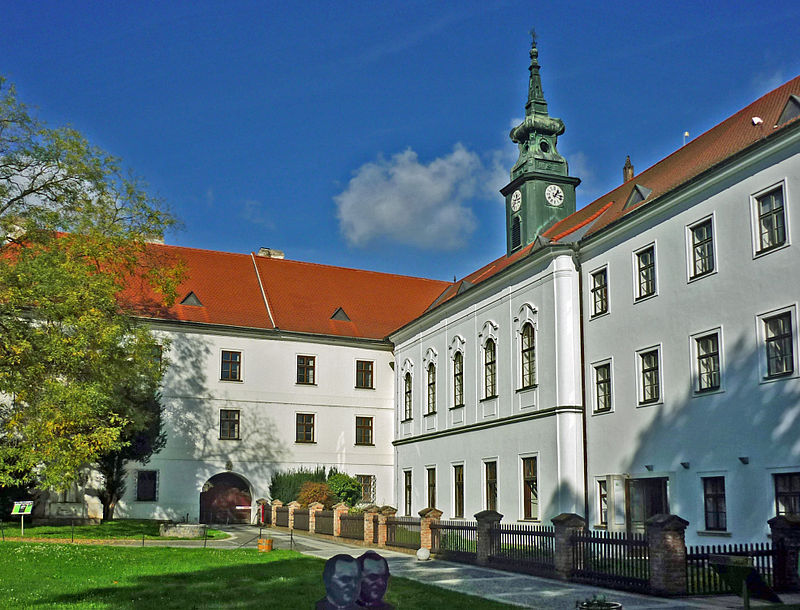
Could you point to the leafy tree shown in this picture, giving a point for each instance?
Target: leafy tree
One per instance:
(312, 492)
(77, 370)
(346, 488)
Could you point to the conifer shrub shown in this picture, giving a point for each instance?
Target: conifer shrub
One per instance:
(285, 486)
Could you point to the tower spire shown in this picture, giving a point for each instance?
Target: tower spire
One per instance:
(536, 102)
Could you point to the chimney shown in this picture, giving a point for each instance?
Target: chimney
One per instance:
(627, 169)
(270, 253)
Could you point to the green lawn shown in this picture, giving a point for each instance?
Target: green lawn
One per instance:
(121, 529)
(78, 576)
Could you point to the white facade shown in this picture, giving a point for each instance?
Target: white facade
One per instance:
(268, 400)
(541, 422)
(744, 431)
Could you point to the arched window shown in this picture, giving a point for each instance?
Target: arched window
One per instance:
(516, 236)
(490, 368)
(458, 380)
(528, 356)
(431, 388)
(407, 401)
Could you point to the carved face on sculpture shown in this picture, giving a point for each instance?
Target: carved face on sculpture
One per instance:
(342, 577)
(374, 578)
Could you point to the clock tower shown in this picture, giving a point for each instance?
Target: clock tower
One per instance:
(541, 191)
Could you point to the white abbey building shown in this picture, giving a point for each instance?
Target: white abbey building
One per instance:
(634, 357)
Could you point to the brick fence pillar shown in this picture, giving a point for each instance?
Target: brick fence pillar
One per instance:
(339, 510)
(293, 505)
(666, 535)
(565, 525)
(427, 516)
(369, 523)
(487, 520)
(786, 534)
(386, 513)
(313, 509)
(276, 504)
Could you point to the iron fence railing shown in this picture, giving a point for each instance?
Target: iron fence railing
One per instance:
(282, 516)
(619, 560)
(702, 579)
(455, 540)
(352, 526)
(301, 519)
(323, 522)
(523, 548)
(403, 532)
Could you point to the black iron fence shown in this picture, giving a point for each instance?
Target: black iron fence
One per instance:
(282, 516)
(301, 519)
(523, 548)
(703, 579)
(353, 526)
(403, 531)
(613, 559)
(323, 522)
(455, 540)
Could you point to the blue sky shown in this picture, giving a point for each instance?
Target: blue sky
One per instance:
(375, 134)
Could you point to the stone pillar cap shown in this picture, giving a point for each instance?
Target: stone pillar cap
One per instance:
(569, 520)
(434, 513)
(277, 503)
(316, 505)
(388, 510)
(488, 515)
(784, 521)
(340, 505)
(372, 508)
(294, 504)
(667, 522)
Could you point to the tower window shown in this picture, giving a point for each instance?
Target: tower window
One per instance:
(516, 233)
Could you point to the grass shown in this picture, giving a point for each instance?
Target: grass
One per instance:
(121, 529)
(79, 576)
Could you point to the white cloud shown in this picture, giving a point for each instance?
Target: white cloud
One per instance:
(412, 203)
(255, 212)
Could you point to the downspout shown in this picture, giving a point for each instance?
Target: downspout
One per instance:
(576, 260)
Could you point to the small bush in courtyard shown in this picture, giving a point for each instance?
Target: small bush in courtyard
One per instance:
(346, 488)
(312, 492)
(285, 486)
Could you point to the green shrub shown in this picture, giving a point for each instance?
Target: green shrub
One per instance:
(312, 491)
(346, 488)
(285, 486)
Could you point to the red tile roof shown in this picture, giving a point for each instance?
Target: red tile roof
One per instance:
(302, 297)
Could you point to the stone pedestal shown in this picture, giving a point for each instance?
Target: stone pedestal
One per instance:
(293, 505)
(386, 512)
(565, 525)
(487, 520)
(427, 516)
(666, 535)
(313, 509)
(339, 510)
(786, 536)
(276, 504)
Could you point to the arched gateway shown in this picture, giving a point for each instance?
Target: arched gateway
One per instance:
(221, 494)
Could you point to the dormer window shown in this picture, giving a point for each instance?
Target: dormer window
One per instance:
(191, 300)
(791, 110)
(638, 194)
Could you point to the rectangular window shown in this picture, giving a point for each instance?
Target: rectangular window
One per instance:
(458, 490)
(364, 431)
(231, 366)
(771, 220)
(530, 489)
(602, 500)
(305, 428)
(599, 292)
(458, 380)
(305, 369)
(702, 249)
(364, 377)
(651, 386)
(787, 493)
(229, 424)
(431, 487)
(491, 485)
(367, 487)
(708, 369)
(646, 272)
(779, 345)
(407, 491)
(602, 387)
(146, 485)
(714, 502)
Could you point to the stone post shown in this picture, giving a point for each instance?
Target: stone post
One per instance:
(386, 513)
(369, 523)
(666, 535)
(276, 504)
(339, 510)
(786, 535)
(313, 509)
(487, 520)
(427, 516)
(565, 525)
(293, 505)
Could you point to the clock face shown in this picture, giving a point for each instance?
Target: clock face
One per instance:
(554, 195)
(516, 201)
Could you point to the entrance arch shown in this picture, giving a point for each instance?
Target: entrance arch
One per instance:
(220, 496)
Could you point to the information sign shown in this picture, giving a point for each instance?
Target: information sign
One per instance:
(23, 507)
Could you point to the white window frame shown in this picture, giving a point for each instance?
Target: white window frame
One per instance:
(762, 343)
(453, 487)
(431, 357)
(639, 381)
(489, 331)
(315, 356)
(238, 350)
(527, 315)
(590, 292)
(407, 368)
(458, 344)
(755, 228)
(484, 461)
(313, 440)
(696, 392)
(594, 366)
(435, 469)
(635, 275)
(690, 277)
(598, 506)
(707, 474)
(520, 481)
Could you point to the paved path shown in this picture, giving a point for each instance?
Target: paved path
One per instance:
(511, 588)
